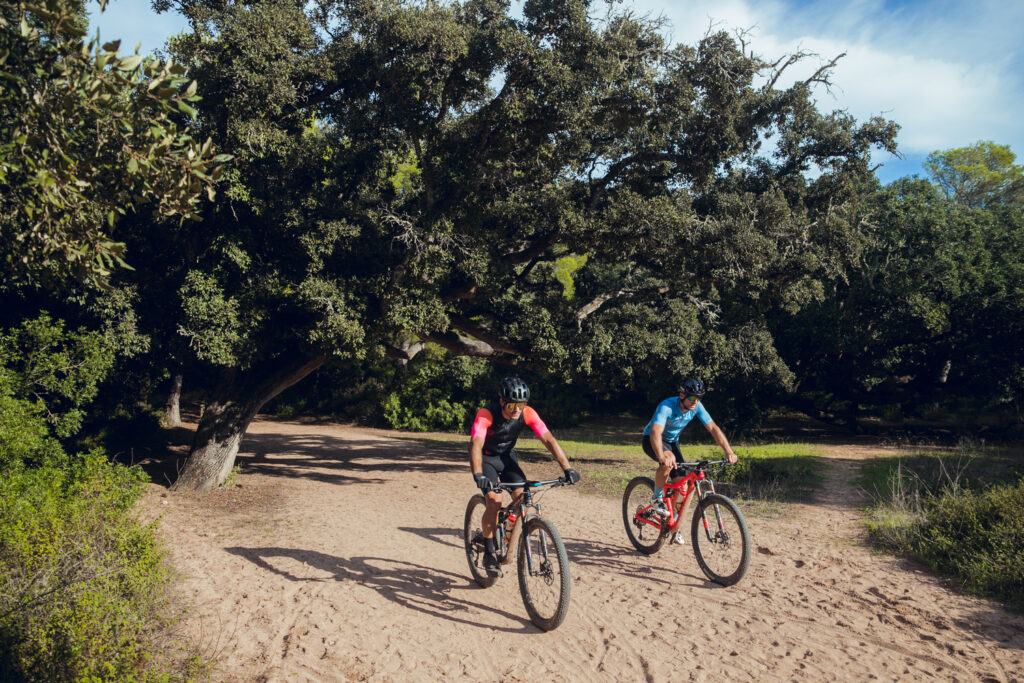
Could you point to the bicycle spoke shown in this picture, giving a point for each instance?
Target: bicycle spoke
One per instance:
(721, 541)
(543, 574)
(472, 534)
(644, 527)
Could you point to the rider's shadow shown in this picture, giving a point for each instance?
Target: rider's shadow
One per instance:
(442, 535)
(411, 585)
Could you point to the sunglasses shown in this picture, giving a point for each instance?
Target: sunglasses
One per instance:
(512, 405)
(691, 398)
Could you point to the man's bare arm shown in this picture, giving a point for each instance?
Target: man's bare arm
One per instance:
(719, 436)
(476, 454)
(555, 448)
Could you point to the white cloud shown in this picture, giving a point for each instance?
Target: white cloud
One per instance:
(949, 71)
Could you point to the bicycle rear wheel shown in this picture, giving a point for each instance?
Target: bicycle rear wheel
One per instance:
(543, 574)
(645, 528)
(721, 540)
(473, 535)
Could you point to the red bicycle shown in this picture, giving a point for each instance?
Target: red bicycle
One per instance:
(718, 531)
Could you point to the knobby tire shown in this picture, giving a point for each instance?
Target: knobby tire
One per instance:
(472, 534)
(540, 535)
(644, 537)
(725, 557)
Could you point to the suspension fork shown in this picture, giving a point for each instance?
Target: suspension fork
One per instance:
(528, 503)
(701, 494)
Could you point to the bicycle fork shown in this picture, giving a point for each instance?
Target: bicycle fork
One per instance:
(545, 563)
(719, 519)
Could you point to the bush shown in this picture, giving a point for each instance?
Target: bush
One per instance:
(770, 472)
(978, 539)
(24, 436)
(82, 584)
(950, 517)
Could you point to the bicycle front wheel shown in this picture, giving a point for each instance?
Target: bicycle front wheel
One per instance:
(645, 528)
(543, 574)
(721, 541)
(473, 535)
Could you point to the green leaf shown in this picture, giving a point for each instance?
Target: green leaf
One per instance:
(129, 63)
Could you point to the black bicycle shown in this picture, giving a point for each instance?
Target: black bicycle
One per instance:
(542, 562)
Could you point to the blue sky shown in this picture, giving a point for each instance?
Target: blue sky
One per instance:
(950, 72)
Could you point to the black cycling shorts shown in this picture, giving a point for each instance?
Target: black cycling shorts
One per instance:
(665, 446)
(503, 468)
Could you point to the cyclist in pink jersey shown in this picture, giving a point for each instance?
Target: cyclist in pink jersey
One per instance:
(492, 455)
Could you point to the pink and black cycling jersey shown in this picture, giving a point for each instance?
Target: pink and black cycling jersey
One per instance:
(500, 435)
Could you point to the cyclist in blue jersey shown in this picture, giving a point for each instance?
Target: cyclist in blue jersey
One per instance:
(661, 435)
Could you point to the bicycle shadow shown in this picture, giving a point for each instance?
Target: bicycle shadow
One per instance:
(627, 562)
(602, 557)
(410, 585)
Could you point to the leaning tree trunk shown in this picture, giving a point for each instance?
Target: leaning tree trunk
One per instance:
(172, 411)
(227, 416)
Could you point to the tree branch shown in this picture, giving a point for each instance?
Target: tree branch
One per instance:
(462, 346)
(405, 351)
(596, 303)
(486, 335)
(533, 251)
(622, 164)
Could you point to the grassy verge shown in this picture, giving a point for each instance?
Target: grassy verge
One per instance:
(961, 512)
(608, 456)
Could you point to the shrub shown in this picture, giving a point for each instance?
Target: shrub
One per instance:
(24, 436)
(82, 584)
(948, 514)
(978, 539)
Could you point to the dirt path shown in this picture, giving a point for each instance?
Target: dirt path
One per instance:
(337, 556)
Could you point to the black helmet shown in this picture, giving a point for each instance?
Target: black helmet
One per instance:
(691, 387)
(514, 389)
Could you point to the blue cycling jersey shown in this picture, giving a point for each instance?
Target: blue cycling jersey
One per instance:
(673, 418)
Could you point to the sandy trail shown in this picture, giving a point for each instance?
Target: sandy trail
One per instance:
(337, 556)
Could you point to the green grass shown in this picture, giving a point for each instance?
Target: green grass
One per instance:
(967, 465)
(960, 511)
(609, 455)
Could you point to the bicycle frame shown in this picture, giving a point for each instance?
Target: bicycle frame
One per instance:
(690, 482)
(519, 505)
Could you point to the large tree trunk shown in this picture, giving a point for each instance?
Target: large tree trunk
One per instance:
(172, 411)
(227, 416)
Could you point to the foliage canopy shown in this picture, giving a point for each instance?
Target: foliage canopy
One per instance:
(86, 135)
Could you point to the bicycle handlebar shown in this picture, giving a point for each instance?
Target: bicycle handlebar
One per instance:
(702, 464)
(509, 486)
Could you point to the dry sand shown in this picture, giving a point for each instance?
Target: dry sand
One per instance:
(336, 554)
